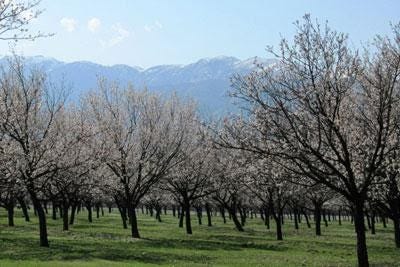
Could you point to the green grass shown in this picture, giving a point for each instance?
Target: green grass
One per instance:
(105, 243)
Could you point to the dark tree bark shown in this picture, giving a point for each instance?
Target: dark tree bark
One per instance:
(10, 214)
(24, 208)
(158, 213)
(208, 211)
(97, 211)
(173, 211)
(222, 211)
(368, 219)
(242, 214)
(362, 253)
(181, 216)
(324, 217)
(151, 211)
(187, 217)
(45, 207)
(396, 225)
(44, 242)
(266, 218)
(278, 222)
(238, 225)
(395, 216)
(122, 212)
(54, 211)
(90, 215)
(65, 216)
(133, 221)
(199, 212)
(317, 218)
(296, 223)
(373, 229)
(307, 219)
(72, 217)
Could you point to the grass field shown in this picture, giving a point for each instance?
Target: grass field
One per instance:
(105, 243)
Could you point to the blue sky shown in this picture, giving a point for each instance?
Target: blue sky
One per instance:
(153, 32)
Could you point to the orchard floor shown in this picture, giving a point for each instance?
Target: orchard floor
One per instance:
(105, 243)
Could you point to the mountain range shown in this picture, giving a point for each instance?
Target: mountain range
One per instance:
(207, 80)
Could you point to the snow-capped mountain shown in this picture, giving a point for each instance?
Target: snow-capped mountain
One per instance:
(207, 80)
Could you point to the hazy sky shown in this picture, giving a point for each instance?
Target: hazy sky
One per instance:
(150, 32)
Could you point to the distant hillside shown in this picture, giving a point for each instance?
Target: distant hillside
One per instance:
(207, 80)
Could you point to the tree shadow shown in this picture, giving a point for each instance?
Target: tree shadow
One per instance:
(28, 249)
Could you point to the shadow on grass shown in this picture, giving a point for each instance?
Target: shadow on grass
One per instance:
(114, 248)
(28, 249)
(233, 244)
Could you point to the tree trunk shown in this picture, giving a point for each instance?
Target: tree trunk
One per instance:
(296, 222)
(373, 230)
(368, 219)
(10, 214)
(395, 211)
(238, 225)
(65, 216)
(122, 212)
(151, 211)
(266, 218)
(362, 253)
(222, 211)
(45, 207)
(97, 211)
(187, 217)
(317, 218)
(133, 220)
(44, 242)
(90, 216)
(24, 208)
(396, 225)
(307, 220)
(208, 211)
(54, 211)
(181, 215)
(278, 221)
(72, 217)
(242, 216)
(158, 213)
(324, 217)
(199, 214)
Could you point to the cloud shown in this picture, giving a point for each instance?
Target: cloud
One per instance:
(148, 28)
(119, 35)
(93, 24)
(69, 24)
(152, 27)
(158, 24)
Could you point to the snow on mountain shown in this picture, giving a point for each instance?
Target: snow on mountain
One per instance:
(207, 80)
